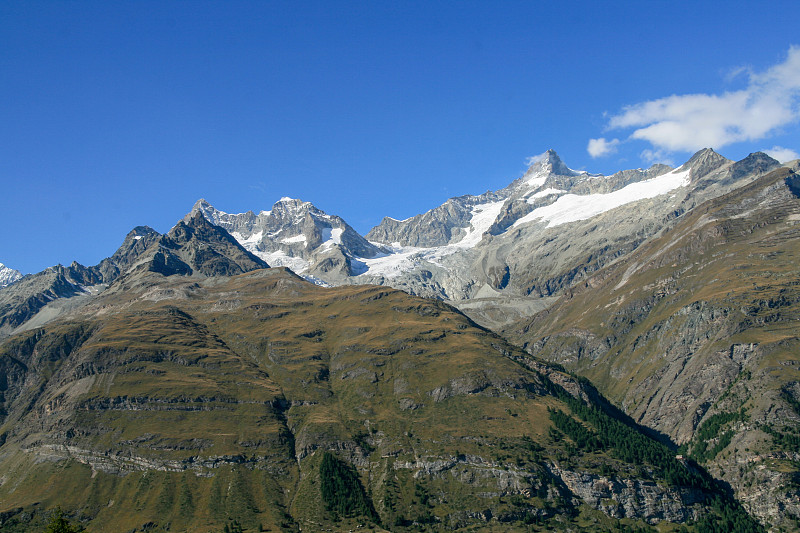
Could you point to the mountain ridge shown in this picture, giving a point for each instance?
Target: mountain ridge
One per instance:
(192, 383)
(697, 330)
(186, 359)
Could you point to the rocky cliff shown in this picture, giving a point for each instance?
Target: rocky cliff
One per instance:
(695, 335)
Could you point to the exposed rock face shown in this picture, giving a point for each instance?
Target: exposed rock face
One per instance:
(22, 301)
(632, 498)
(695, 335)
(438, 227)
(298, 235)
(196, 245)
(8, 275)
(192, 247)
(499, 255)
(135, 243)
(493, 254)
(675, 290)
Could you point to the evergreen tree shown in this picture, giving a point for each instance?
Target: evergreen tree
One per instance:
(59, 524)
(342, 492)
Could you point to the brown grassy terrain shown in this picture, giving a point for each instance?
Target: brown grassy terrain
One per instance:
(702, 322)
(179, 403)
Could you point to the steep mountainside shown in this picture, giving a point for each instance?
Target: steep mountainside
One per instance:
(500, 256)
(192, 246)
(38, 298)
(551, 229)
(181, 383)
(186, 401)
(696, 335)
(196, 246)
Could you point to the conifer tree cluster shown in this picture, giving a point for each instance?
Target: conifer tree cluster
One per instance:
(342, 492)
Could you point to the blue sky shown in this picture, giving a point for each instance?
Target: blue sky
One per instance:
(117, 114)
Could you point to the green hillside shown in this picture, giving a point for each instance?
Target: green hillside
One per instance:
(263, 402)
(695, 335)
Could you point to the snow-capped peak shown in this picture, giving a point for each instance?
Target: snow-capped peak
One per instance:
(549, 163)
(8, 275)
(540, 168)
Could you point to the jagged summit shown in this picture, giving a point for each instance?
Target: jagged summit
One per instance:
(259, 372)
(703, 162)
(8, 275)
(197, 245)
(549, 163)
(296, 234)
(471, 246)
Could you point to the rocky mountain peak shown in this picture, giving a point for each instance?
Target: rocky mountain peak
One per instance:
(549, 163)
(197, 226)
(8, 275)
(195, 245)
(704, 162)
(756, 162)
(294, 233)
(293, 207)
(200, 205)
(139, 232)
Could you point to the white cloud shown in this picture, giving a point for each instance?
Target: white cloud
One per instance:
(534, 159)
(600, 147)
(656, 156)
(782, 154)
(690, 122)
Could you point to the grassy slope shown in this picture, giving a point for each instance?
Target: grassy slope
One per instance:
(196, 403)
(700, 321)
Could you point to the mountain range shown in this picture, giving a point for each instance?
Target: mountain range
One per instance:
(529, 358)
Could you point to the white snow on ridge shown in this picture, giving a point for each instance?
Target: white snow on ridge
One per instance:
(483, 216)
(8, 275)
(279, 258)
(541, 194)
(573, 207)
(401, 259)
(537, 180)
(332, 236)
(296, 238)
(252, 239)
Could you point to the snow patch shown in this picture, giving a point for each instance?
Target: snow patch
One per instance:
(244, 241)
(401, 259)
(573, 207)
(483, 216)
(280, 259)
(536, 180)
(541, 194)
(397, 261)
(296, 238)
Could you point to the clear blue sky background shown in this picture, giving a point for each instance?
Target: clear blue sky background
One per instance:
(117, 114)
